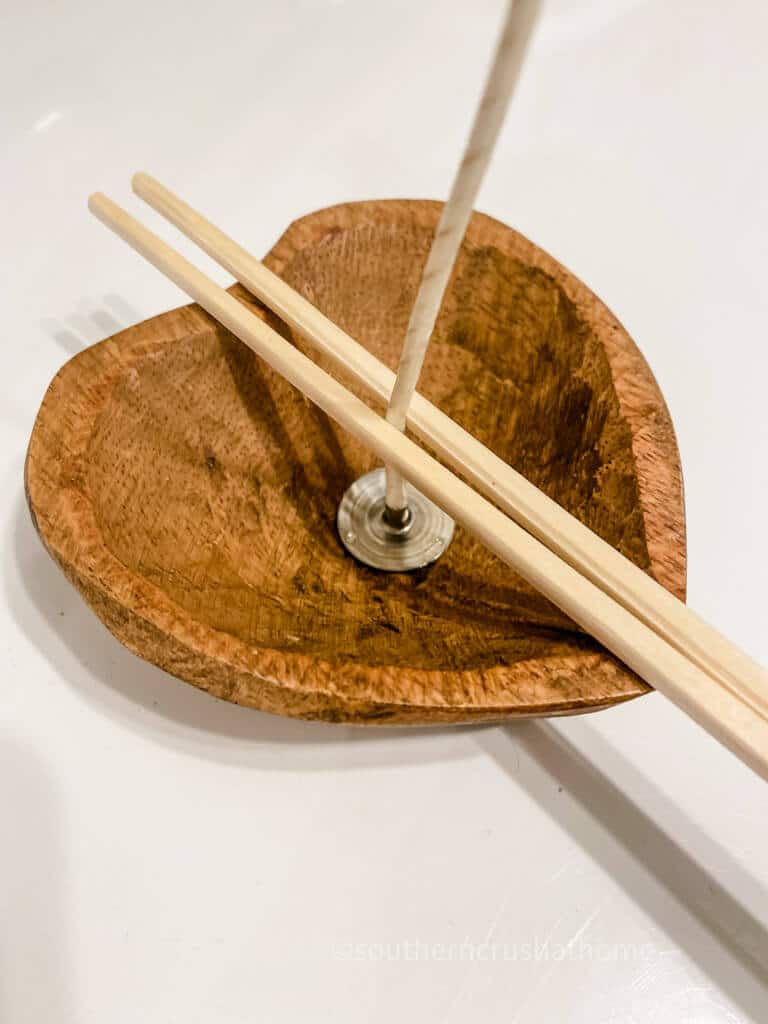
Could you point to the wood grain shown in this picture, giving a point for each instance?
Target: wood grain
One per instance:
(190, 493)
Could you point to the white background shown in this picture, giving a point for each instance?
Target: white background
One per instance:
(165, 857)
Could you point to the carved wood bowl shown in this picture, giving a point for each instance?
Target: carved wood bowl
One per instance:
(190, 494)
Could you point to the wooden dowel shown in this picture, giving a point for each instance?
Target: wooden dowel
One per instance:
(502, 78)
(726, 717)
(589, 554)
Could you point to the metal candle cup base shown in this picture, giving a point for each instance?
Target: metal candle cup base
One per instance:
(366, 534)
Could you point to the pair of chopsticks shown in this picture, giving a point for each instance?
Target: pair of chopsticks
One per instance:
(652, 632)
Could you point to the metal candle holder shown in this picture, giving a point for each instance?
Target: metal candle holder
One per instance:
(384, 538)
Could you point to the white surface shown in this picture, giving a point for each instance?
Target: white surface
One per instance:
(165, 857)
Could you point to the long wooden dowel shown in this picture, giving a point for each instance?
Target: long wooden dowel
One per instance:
(727, 718)
(674, 621)
(502, 78)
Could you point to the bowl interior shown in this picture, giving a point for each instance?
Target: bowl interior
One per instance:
(216, 481)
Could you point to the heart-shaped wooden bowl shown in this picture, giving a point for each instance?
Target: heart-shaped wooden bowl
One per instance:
(190, 494)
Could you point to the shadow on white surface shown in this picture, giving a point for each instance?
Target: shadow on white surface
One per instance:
(35, 973)
(137, 694)
(79, 330)
(688, 902)
(700, 916)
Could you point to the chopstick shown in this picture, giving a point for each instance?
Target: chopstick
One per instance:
(725, 716)
(565, 535)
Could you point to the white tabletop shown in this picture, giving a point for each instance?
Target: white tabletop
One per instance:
(166, 857)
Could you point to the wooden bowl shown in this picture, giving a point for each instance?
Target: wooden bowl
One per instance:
(190, 494)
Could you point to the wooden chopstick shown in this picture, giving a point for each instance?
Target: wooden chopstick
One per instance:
(565, 535)
(725, 716)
